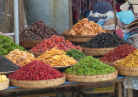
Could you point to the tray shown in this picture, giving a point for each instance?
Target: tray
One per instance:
(36, 54)
(92, 78)
(4, 85)
(38, 84)
(29, 44)
(96, 51)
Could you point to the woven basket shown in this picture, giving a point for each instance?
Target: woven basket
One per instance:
(4, 85)
(79, 38)
(108, 63)
(36, 54)
(127, 71)
(38, 84)
(92, 78)
(29, 44)
(96, 51)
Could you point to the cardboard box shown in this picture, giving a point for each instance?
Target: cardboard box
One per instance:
(99, 88)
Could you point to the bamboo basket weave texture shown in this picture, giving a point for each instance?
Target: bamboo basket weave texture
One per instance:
(92, 78)
(127, 71)
(96, 51)
(38, 84)
(4, 85)
(29, 44)
(77, 38)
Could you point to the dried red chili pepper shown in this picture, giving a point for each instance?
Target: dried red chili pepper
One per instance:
(118, 53)
(36, 70)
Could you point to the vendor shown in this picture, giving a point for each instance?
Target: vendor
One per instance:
(101, 10)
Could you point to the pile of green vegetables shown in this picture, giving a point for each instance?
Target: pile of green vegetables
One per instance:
(90, 66)
(76, 54)
(7, 45)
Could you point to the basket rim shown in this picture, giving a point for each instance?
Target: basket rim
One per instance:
(8, 72)
(84, 48)
(126, 68)
(116, 71)
(37, 80)
(30, 41)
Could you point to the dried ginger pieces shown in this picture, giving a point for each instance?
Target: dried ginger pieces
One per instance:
(20, 58)
(130, 61)
(56, 57)
(85, 27)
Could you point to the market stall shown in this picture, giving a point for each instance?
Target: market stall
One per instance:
(86, 54)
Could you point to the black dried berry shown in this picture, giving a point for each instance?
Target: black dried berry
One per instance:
(104, 40)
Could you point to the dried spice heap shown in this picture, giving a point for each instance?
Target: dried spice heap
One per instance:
(48, 44)
(7, 65)
(56, 57)
(85, 27)
(130, 61)
(104, 40)
(20, 57)
(37, 31)
(76, 54)
(3, 78)
(36, 70)
(118, 53)
(90, 66)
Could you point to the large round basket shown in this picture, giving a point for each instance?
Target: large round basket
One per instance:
(96, 51)
(127, 71)
(79, 38)
(29, 44)
(4, 85)
(38, 84)
(36, 54)
(92, 78)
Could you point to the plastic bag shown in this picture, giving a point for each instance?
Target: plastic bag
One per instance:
(131, 82)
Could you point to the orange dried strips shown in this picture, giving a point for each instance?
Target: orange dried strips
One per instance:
(56, 57)
(85, 27)
(20, 57)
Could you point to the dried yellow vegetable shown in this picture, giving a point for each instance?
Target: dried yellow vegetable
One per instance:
(3, 78)
(20, 57)
(56, 57)
(130, 61)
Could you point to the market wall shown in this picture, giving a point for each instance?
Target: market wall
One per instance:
(54, 13)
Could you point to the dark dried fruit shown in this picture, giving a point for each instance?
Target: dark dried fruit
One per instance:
(104, 40)
(7, 65)
(37, 31)
(118, 53)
